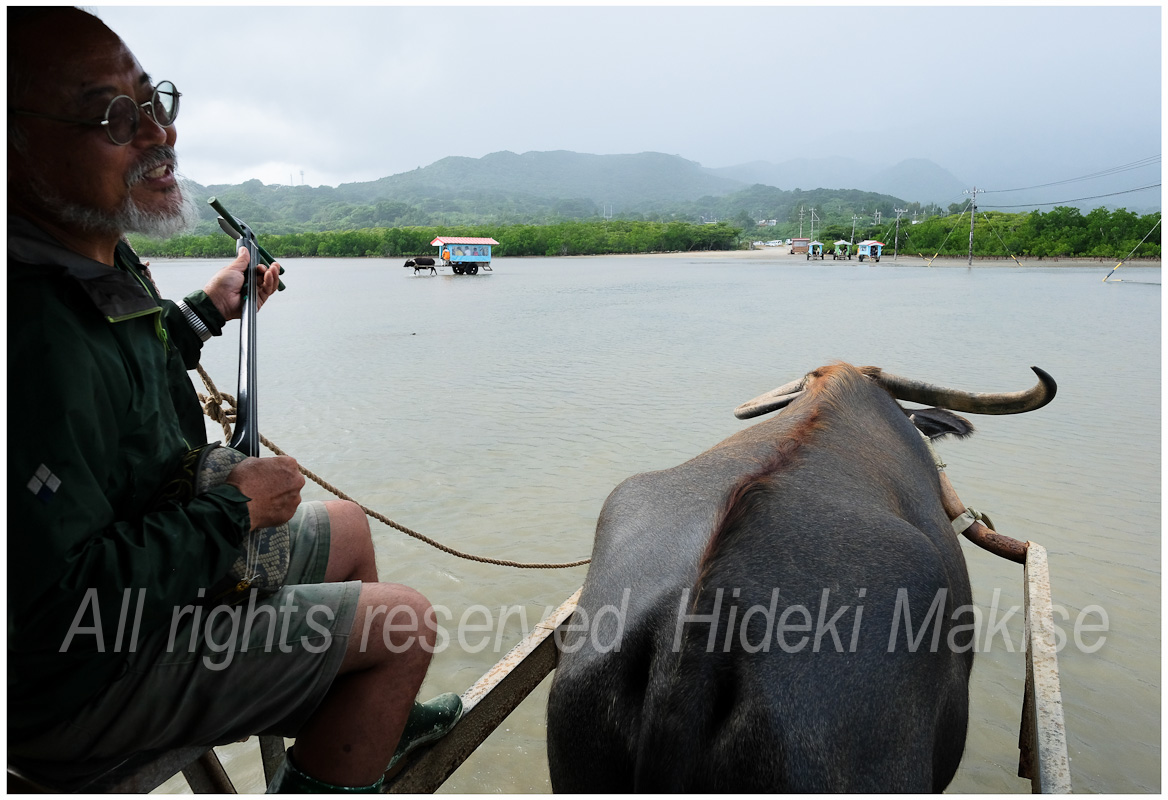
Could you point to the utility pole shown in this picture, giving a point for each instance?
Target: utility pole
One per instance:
(800, 222)
(852, 240)
(896, 241)
(813, 223)
(972, 217)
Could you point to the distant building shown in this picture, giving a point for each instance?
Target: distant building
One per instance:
(799, 245)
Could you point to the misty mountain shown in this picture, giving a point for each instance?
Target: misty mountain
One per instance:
(540, 187)
(915, 180)
(635, 179)
(800, 173)
(918, 179)
(621, 180)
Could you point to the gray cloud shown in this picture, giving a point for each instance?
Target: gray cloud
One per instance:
(997, 95)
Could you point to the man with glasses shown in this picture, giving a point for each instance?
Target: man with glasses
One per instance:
(112, 649)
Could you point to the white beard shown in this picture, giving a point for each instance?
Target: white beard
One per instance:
(180, 214)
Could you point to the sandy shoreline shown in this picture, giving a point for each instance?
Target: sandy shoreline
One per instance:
(781, 254)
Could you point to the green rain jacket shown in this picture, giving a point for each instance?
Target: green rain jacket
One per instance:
(100, 413)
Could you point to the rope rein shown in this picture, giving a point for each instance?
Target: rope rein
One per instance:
(220, 407)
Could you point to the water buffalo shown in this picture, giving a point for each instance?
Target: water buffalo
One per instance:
(421, 262)
(788, 611)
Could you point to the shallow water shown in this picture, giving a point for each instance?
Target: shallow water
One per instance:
(495, 413)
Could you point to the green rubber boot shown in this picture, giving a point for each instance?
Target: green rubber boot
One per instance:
(428, 722)
(290, 780)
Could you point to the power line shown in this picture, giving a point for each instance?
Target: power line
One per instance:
(1143, 162)
(1078, 199)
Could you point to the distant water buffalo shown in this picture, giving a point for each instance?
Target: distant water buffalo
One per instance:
(421, 262)
(788, 611)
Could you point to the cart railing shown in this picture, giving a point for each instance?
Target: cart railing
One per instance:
(1042, 739)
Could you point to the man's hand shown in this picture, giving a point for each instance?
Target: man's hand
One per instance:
(226, 287)
(272, 486)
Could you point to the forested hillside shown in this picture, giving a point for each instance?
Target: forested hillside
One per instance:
(535, 188)
(548, 188)
(616, 180)
(563, 203)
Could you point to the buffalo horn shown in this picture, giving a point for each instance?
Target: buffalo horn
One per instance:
(772, 400)
(969, 402)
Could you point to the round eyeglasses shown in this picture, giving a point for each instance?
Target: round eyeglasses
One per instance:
(121, 115)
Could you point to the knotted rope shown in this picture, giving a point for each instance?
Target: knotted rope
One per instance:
(220, 407)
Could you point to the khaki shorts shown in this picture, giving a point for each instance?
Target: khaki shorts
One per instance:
(260, 667)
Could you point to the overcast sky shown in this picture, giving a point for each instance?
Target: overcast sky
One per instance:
(996, 95)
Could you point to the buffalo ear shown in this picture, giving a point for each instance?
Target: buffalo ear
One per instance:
(937, 422)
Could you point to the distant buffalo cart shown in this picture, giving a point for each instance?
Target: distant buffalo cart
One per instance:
(465, 255)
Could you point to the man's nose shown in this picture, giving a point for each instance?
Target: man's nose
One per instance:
(150, 133)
